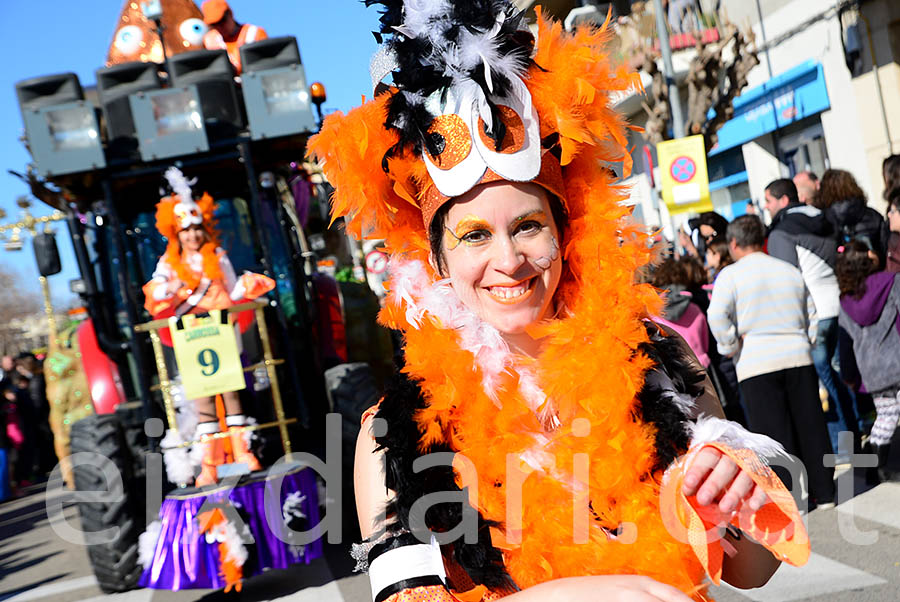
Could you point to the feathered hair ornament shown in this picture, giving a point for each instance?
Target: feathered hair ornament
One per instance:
(474, 98)
(180, 211)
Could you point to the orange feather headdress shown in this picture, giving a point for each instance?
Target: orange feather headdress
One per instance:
(388, 184)
(179, 211)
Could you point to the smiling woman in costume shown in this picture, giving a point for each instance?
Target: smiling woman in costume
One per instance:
(582, 466)
(194, 275)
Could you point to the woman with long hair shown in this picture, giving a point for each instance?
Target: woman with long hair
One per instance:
(528, 446)
(717, 257)
(890, 169)
(845, 205)
(870, 337)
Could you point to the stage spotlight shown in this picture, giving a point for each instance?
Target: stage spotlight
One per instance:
(61, 128)
(275, 90)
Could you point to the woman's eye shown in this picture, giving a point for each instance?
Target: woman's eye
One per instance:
(529, 227)
(192, 31)
(475, 237)
(128, 39)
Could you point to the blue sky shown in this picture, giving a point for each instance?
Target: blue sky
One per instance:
(55, 36)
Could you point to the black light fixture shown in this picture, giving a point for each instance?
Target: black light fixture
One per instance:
(211, 72)
(114, 85)
(275, 89)
(201, 105)
(61, 128)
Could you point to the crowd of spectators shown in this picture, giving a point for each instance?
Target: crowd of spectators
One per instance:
(26, 441)
(798, 322)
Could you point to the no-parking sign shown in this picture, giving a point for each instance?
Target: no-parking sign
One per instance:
(684, 181)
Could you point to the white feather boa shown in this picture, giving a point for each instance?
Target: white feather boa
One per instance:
(411, 284)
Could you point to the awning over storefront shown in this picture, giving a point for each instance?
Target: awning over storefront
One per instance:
(795, 94)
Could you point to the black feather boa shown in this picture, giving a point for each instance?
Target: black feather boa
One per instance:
(482, 561)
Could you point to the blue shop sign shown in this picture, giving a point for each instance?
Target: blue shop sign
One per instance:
(789, 97)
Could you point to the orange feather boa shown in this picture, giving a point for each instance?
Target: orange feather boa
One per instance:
(590, 367)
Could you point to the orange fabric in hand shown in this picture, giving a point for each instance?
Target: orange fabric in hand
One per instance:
(777, 525)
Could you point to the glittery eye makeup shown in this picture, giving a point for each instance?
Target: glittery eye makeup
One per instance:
(537, 215)
(471, 230)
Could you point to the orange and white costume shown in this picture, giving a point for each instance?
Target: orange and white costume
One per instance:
(587, 433)
(208, 280)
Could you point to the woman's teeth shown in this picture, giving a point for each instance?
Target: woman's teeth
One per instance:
(510, 292)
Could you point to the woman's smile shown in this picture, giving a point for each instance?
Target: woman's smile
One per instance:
(512, 293)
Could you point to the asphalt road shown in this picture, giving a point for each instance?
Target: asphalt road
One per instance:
(856, 557)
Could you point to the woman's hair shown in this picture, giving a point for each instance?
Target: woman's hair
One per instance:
(837, 185)
(720, 248)
(694, 272)
(853, 266)
(436, 228)
(715, 221)
(890, 169)
(893, 197)
(669, 272)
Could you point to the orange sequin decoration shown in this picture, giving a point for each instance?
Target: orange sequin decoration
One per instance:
(458, 141)
(513, 138)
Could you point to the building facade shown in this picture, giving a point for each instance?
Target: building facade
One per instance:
(826, 93)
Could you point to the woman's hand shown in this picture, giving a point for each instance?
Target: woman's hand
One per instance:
(173, 286)
(602, 588)
(714, 477)
(684, 239)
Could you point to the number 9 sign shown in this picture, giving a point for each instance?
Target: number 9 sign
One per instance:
(209, 359)
(206, 353)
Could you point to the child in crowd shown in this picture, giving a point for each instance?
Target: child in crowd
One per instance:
(680, 313)
(870, 340)
(717, 257)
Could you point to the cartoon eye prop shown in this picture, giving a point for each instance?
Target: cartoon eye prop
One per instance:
(128, 39)
(192, 31)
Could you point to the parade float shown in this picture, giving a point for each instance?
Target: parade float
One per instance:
(302, 349)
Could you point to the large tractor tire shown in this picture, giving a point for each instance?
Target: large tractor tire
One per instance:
(115, 563)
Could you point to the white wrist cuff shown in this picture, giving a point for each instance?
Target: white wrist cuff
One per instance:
(405, 563)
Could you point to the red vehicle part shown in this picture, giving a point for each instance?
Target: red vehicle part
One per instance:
(102, 373)
(332, 335)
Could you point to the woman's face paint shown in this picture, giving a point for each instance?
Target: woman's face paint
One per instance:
(471, 231)
(545, 262)
(501, 254)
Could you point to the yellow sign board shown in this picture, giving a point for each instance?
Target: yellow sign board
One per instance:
(685, 182)
(206, 353)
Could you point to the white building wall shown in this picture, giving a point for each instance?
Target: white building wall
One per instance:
(820, 42)
(762, 166)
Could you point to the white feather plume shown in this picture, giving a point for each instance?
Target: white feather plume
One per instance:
(237, 552)
(709, 429)
(179, 184)
(147, 543)
(181, 462)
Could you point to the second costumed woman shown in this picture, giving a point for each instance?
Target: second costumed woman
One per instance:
(530, 362)
(194, 275)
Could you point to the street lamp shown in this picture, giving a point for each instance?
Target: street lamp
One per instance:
(46, 252)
